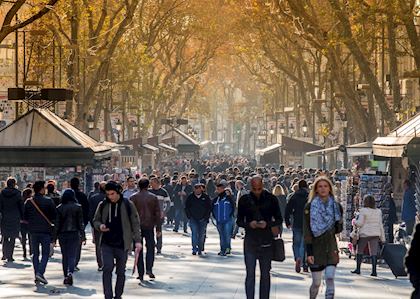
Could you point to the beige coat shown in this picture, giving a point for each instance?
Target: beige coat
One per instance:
(370, 223)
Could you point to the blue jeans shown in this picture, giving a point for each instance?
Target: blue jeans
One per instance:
(225, 233)
(43, 240)
(180, 216)
(263, 255)
(198, 234)
(69, 243)
(298, 245)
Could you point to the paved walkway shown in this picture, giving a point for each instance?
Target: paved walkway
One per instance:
(181, 275)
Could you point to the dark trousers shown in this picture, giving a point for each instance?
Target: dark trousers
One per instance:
(263, 255)
(69, 242)
(25, 238)
(96, 236)
(159, 240)
(149, 236)
(113, 257)
(180, 216)
(8, 246)
(198, 234)
(43, 240)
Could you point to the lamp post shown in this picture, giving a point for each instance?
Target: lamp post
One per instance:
(345, 140)
(118, 126)
(282, 129)
(305, 128)
(291, 130)
(91, 122)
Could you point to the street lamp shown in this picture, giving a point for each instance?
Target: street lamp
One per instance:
(91, 122)
(282, 129)
(305, 128)
(345, 137)
(291, 130)
(118, 126)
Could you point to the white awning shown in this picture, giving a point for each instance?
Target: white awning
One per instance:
(150, 147)
(360, 149)
(323, 151)
(391, 146)
(268, 149)
(167, 147)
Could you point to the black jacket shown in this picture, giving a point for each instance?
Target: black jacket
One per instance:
(37, 223)
(178, 201)
(94, 202)
(70, 219)
(295, 208)
(198, 208)
(252, 209)
(412, 261)
(83, 201)
(11, 210)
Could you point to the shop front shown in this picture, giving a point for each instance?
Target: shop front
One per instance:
(40, 145)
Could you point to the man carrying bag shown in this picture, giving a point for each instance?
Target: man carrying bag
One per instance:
(40, 214)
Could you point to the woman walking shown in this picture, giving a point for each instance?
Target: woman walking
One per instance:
(70, 232)
(322, 221)
(371, 231)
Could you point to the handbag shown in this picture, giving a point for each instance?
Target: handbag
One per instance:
(278, 250)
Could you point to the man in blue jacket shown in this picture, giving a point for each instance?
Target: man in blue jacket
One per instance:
(408, 213)
(223, 212)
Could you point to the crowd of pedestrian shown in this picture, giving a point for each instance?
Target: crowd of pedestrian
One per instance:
(241, 200)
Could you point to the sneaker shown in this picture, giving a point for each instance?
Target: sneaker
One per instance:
(151, 275)
(100, 269)
(297, 265)
(220, 253)
(159, 252)
(77, 269)
(194, 253)
(228, 251)
(175, 230)
(41, 278)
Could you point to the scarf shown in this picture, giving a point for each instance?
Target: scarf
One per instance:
(323, 215)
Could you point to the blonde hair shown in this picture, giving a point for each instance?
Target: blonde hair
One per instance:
(313, 192)
(278, 190)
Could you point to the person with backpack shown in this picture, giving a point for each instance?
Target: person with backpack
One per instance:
(40, 214)
(118, 222)
(11, 210)
(323, 219)
(70, 232)
(147, 205)
(223, 209)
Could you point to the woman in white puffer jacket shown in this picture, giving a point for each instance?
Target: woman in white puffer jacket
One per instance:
(371, 232)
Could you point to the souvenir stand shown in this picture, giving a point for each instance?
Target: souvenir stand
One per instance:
(374, 184)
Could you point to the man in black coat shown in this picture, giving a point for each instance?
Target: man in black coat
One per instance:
(40, 228)
(295, 207)
(11, 210)
(83, 201)
(94, 202)
(198, 210)
(412, 263)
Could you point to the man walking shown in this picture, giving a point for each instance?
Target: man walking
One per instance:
(147, 206)
(94, 202)
(241, 191)
(164, 204)
(295, 207)
(223, 208)
(181, 192)
(83, 201)
(131, 188)
(118, 223)
(198, 210)
(259, 213)
(408, 213)
(11, 212)
(40, 213)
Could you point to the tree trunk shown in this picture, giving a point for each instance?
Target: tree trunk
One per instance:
(393, 62)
